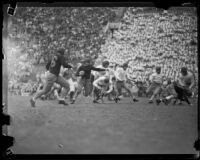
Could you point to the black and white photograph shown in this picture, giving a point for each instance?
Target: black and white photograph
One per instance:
(102, 79)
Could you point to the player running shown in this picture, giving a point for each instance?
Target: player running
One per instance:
(121, 82)
(156, 83)
(52, 75)
(69, 76)
(104, 65)
(84, 73)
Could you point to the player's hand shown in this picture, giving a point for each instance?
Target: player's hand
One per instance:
(81, 73)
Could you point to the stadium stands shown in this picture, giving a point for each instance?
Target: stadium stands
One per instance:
(147, 37)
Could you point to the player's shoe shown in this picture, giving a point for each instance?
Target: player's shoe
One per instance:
(180, 103)
(135, 100)
(116, 99)
(32, 103)
(175, 101)
(165, 101)
(73, 101)
(158, 101)
(95, 101)
(62, 102)
(150, 101)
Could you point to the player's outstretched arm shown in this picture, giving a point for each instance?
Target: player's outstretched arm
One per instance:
(64, 63)
(97, 69)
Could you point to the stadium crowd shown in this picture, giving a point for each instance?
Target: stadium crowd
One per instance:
(152, 38)
(145, 39)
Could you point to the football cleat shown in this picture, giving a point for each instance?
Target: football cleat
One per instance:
(95, 101)
(135, 100)
(73, 101)
(158, 101)
(116, 100)
(62, 102)
(150, 101)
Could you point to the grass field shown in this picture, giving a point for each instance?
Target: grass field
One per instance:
(109, 128)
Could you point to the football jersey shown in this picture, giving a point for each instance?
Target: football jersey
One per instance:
(87, 70)
(55, 64)
(187, 80)
(120, 74)
(157, 78)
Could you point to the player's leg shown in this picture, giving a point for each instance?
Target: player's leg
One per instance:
(96, 94)
(110, 96)
(155, 93)
(72, 89)
(50, 79)
(78, 90)
(186, 94)
(48, 95)
(71, 94)
(56, 94)
(127, 88)
(119, 88)
(87, 84)
(91, 85)
(63, 83)
(151, 89)
(179, 92)
(113, 93)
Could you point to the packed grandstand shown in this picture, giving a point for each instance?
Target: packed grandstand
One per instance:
(147, 37)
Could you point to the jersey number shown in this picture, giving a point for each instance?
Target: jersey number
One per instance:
(53, 62)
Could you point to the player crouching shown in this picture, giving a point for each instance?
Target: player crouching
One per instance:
(103, 86)
(167, 93)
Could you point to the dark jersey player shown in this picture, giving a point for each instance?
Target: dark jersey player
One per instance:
(52, 76)
(84, 73)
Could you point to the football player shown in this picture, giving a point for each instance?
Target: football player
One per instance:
(52, 75)
(103, 86)
(121, 82)
(156, 83)
(185, 84)
(84, 74)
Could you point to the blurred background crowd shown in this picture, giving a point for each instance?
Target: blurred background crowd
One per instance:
(147, 37)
